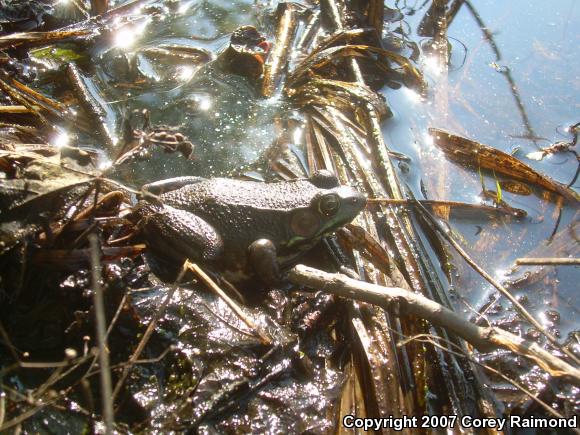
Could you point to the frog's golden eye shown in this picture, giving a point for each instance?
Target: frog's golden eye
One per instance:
(329, 204)
(304, 223)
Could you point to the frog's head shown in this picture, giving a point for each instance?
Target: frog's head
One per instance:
(330, 208)
(246, 53)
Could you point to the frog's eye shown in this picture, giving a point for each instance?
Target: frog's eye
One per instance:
(304, 223)
(329, 204)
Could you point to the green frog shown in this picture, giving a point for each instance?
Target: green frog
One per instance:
(244, 228)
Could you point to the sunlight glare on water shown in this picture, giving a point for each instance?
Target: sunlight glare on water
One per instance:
(413, 96)
(297, 135)
(431, 65)
(511, 85)
(184, 73)
(184, 7)
(125, 37)
(428, 140)
(62, 139)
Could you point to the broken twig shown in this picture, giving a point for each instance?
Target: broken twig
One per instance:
(483, 338)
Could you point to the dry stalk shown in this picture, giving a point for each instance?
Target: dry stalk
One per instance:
(556, 261)
(288, 20)
(101, 326)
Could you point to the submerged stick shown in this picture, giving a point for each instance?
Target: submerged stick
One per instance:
(91, 105)
(99, 7)
(485, 339)
(433, 203)
(556, 261)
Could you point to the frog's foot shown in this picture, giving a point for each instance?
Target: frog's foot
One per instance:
(262, 255)
(324, 179)
(178, 235)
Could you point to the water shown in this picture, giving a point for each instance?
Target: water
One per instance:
(516, 93)
(222, 115)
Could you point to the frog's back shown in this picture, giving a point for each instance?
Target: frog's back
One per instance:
(244, 211)
(225, 192)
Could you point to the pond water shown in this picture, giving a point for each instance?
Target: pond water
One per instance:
(512, 84)
(221, 114)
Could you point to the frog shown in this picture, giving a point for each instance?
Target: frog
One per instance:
(244, 229)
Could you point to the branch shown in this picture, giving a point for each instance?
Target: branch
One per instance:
(485, 339)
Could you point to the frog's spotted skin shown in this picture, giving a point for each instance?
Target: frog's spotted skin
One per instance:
(241, 225)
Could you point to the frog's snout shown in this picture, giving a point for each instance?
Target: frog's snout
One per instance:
(352, 201)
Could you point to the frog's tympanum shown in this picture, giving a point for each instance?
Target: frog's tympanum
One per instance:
(244, 228)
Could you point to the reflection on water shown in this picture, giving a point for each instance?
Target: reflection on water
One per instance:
(516, 90)
(221, 113)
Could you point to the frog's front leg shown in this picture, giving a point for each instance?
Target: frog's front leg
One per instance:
(262, 255)
(178, 234)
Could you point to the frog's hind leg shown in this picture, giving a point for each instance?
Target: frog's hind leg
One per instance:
(177, 235)
(162, 186)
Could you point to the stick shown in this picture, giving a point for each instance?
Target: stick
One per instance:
(485, 339)
(437, 227)
(264, 338)
(516, 212)
(556, 261)
(14, 109)
(101, 321)
(288, 20)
